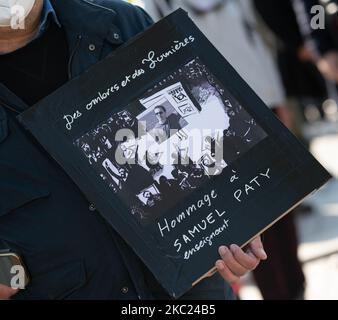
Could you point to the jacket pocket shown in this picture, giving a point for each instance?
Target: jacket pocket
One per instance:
(57, 284)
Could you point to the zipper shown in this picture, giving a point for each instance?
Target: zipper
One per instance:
(71, 58)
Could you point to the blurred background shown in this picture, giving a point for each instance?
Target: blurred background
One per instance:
(287, 50)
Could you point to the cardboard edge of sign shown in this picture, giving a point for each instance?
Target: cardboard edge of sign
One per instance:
(213, 270)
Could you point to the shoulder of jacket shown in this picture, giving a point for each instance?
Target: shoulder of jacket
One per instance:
(120, 7)
(128, 16)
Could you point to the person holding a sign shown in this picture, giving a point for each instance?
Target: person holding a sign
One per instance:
(69, 250)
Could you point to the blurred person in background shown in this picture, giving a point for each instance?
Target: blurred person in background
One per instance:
(235, 30)
(320, 28)
(305, 87)
(307, 31)
(318, 21)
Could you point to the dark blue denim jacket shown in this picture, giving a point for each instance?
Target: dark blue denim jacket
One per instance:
(69, 250)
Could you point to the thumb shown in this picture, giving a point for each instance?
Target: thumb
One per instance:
(6, 292)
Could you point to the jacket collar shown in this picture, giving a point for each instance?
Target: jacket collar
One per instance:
(48, 15)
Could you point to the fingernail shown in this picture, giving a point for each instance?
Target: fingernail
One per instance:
(223, 250)
(263, 253)
(219, 265)
(234, 248)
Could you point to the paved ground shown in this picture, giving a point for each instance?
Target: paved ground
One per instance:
(318, 231)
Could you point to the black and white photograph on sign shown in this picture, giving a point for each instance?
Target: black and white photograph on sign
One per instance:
(150, 197)
(166, 144)
(162, 120)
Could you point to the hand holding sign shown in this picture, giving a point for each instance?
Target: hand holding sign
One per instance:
(236, 263)
(6, 292)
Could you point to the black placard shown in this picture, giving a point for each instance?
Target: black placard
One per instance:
(171, 194)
